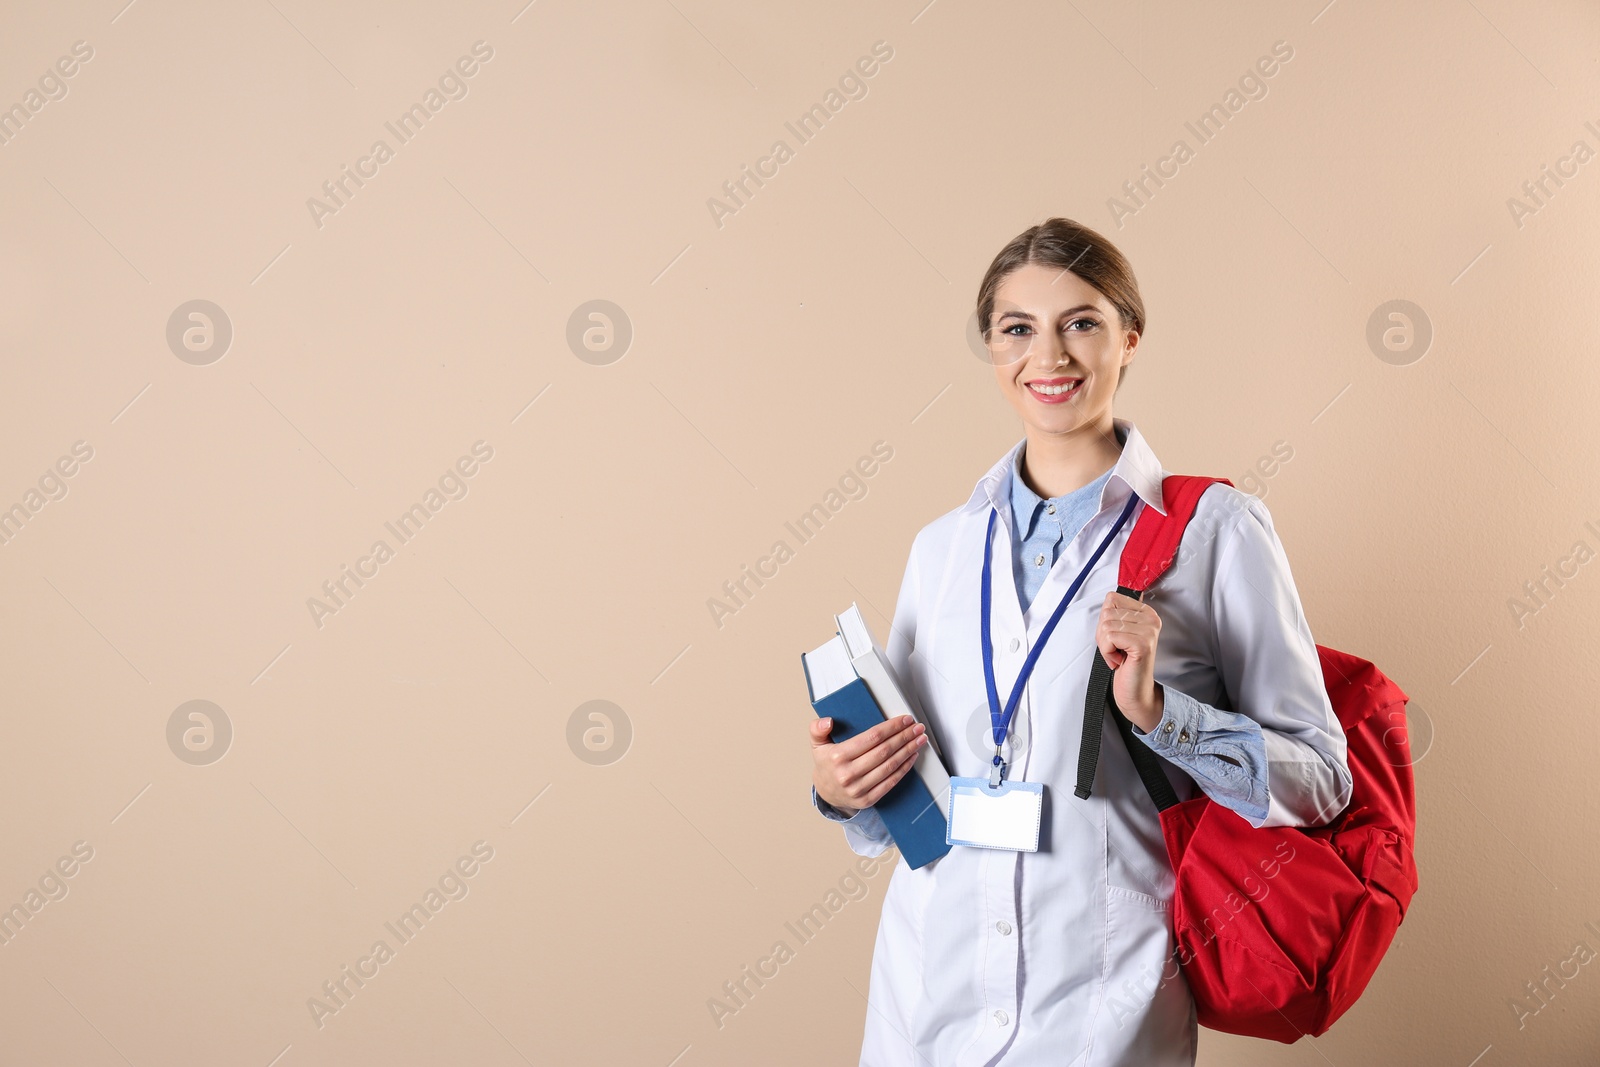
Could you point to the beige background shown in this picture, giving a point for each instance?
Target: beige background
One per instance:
(432, 710)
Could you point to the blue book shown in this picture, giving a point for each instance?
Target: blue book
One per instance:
(914, 810)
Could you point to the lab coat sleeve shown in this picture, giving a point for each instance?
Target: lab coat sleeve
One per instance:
(864, 832)
(1270, 668)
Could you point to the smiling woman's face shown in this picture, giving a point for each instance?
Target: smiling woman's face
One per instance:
(1074, 343)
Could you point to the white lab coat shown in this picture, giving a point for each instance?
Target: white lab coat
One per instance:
(1056, 957)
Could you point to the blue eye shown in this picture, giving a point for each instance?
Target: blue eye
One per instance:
(1020, 329)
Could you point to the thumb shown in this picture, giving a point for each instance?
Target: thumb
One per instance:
(822, 730)
(1109, 651)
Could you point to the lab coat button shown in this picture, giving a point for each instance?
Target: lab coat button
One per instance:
(1001, 1017)
(1016, 643)
(1003, 926)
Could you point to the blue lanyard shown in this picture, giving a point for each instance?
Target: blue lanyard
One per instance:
(1002, 720)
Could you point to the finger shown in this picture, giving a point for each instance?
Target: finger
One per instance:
(854, 778)
(869, 761)
(871, 767)
(854, 747)
(1108, 647)
(1125, 651)
(891, 771)
(1138, 638)
(1114, 616)
(887, 784)
(1125, 636)
(1128, 609)
(901, 753)
(1132, 611)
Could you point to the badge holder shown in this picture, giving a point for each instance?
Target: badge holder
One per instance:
(991, 813)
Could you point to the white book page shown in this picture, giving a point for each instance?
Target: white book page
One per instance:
(828, 667)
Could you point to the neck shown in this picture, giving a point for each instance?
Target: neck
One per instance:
(1056, 464)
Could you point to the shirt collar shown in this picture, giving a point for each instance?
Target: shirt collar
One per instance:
(1137, 471)
(1024, 501)
(1027, 506)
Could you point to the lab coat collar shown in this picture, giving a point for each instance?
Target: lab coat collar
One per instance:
(1137, 471)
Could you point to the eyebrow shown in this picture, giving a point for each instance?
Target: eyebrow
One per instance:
(1026, 315)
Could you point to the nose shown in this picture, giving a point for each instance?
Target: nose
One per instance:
(1048, 350)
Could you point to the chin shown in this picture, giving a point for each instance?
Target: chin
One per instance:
(1062, 423)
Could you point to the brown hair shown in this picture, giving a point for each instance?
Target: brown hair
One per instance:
(1070, 246)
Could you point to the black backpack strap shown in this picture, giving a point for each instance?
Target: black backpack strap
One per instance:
(1089, 748)
(1094, 715)
(1145, 761)
(1097, 702)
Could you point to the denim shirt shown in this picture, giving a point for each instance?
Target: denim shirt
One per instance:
(1229, 754)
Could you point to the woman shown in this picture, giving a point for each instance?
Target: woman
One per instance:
(1064, 955)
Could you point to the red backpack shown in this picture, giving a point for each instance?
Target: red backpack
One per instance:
(1278, 929)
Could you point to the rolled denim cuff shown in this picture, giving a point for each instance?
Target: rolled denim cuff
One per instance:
(1197, 737)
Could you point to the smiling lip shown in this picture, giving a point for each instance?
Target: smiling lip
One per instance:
(1058, 398)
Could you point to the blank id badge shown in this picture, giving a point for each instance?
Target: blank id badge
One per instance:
(1004, 816)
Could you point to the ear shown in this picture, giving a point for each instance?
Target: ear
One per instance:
(1130, 345)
